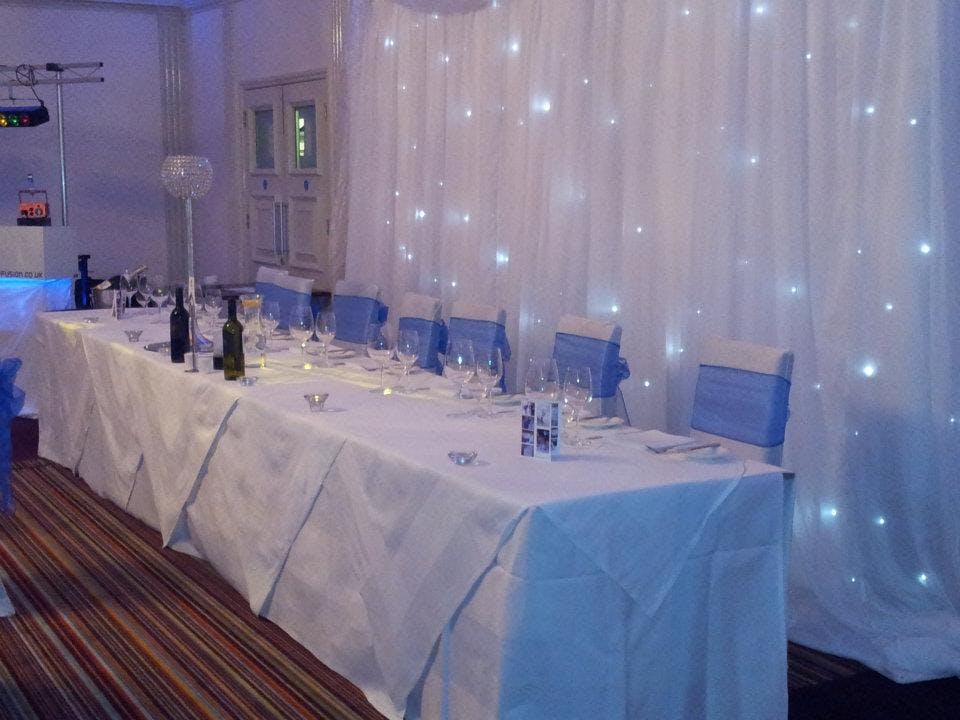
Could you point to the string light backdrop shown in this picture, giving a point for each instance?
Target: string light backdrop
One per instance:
(769, 171)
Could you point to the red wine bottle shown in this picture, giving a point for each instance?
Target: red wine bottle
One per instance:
(179, 329)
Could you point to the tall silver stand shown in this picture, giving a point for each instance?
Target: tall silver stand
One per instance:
(191, 289)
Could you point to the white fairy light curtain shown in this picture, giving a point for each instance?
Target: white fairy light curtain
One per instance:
(768, 171)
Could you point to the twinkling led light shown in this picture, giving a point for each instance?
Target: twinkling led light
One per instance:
(923, 579)
(646, 383)
(868, 369)
(420, 213)
(445, 58)
(880, 520)
(613, 121)
(453, 283)
(913, 121)
(614, 308)
(541, 105)
(953, 420)
(409, 256)
(466, 217)
(686, 11)
(754, 159)
(794, 289)
(468, 113)
(515, 47)
(639, 229)
(389, 42)
(586, 81)
(888, 307)
(396, 193)
(502, 258)
(817, 386)
(870, 109)
(808, 57)
(759, 9)
(925, 248)
(828, 512)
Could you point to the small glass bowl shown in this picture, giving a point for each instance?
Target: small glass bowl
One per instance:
(133, 335)
(248, 380)
(315, 401)
(91, 320)
(462, 457)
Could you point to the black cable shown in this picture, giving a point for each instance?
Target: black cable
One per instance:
(24, 75)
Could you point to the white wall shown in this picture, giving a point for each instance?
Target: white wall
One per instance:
(113, 129)
(231, 44)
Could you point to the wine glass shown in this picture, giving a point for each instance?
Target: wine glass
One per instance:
(160, 294)
(408, 350)
(378, 348)
(489, 373)
(577, 393)
(212, 301)
(301, 328)
(326, 332)
(142, 295)
(270, 318)
(542, 378)
(459, 365)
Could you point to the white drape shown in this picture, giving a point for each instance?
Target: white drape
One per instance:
(769, 171)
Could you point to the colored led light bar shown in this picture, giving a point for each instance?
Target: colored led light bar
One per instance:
(24, 116)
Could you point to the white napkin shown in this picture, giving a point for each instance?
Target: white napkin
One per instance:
(657, 440)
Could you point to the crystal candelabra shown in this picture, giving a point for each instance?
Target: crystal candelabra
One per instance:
(188, 177)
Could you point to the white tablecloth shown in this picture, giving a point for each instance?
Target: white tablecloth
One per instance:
(613, 583)
(20, 301)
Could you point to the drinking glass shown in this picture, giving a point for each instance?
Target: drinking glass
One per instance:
(577, 393)
(326, 332)
(459, 365)
(489, 372)
(270, 318)
(378, 348)
(143, 290)
(212, 301)
(301, 328)
(160, 294)
(408, 350)
(542, 378)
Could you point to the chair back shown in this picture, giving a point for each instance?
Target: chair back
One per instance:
(742, 398)
(582, 342)
(357, 307)
(485, 325)
(11, 403)
(422, 313)
(287, 290)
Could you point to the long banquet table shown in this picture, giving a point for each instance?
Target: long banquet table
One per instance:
(612, 583)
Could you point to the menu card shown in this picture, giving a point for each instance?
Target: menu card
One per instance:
(540, 429)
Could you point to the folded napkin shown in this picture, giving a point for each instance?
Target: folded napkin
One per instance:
(659, 441)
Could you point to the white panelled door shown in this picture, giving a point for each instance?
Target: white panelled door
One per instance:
(287, 189)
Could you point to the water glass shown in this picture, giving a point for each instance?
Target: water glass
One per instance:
(489, 373)
(577, 393)
(460, 364)
(378, 348)
(326, 332)
(301, 328)
(408, 350)
(541, 381)
(160, 294)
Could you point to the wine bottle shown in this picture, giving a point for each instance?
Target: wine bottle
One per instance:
(232, 343)
(179, 329)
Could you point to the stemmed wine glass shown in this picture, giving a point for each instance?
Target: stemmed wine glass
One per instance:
(326, 332)
(378, 348)
(142, 295)
(408, 350)
(577, 393)
(460, 364)
(160, 294)
(301, 328)
(489, 373)
(542, 379)
(270, 318)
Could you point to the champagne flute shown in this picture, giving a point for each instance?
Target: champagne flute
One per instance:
(301, 328)
(460, 364)
(577, 393)
(408, 350)
(326, 332)
(542, 379)
(378, 348)
(489, 372)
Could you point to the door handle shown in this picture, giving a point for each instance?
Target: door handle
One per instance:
(277, 233)
(285, 233)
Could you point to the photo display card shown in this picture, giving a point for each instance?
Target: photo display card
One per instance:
(540, 429)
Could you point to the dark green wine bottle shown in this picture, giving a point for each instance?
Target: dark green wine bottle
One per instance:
(179, 329)
(232, 343)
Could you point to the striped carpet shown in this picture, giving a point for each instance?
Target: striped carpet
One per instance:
(110, 626)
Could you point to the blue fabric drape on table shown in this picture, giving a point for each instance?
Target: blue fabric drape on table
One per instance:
(432, 340)
(742, 405)
(601, 356)
(355, 315)
(11, 402)
(285, 297)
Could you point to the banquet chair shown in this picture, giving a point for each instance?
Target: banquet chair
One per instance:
(485, 325)
(582, 342)
(357, 306)
(286, 289)
(422, 313)
(742, 398)
(11, 402)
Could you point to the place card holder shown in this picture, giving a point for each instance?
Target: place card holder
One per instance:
(540, 429)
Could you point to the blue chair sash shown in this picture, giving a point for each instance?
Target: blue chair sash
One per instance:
(601, 356)
(285, 297)
(355, 314)
(742, 405)
(11, 402)
(432, 338)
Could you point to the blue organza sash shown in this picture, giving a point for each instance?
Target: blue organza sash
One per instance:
(601, 356)
(746, 406)
(355, 314)
(432, 338)
(11, 402)
(485, 335)
(285, 297)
